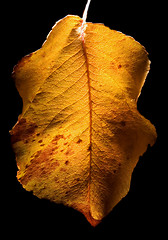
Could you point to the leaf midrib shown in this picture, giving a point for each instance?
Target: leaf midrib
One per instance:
(90, 115)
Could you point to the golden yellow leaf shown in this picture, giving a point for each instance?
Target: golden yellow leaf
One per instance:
(80, 134)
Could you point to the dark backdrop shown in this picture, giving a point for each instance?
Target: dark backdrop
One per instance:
(25, 26)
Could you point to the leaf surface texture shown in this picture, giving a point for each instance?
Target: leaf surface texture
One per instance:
(80, 134)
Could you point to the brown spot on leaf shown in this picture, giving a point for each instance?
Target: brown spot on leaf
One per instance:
(119, 66)
(37, 153)
(40, 141)
(26, 166)
(43, 55)
(22, 131)
(21, 63)
(57, 138)
(90, 147)
(123, 123)
(41, 165)
(112, 65)
(62, 169)
(54, 148)
(56, 179)
(67, 162)
(79, 141)
(55, 163)
(69, 152)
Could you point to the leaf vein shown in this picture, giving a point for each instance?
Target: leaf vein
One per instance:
(70, 87)
(64, 110)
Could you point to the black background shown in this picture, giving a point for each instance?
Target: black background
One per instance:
(24, 29)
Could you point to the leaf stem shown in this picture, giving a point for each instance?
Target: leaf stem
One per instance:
(86, 11)
(84, 19)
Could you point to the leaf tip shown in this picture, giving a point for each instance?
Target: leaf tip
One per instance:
(85, 210)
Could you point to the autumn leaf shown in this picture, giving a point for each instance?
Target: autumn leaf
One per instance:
(80, 135)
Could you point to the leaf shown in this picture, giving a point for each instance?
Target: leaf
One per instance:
(80, 134)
